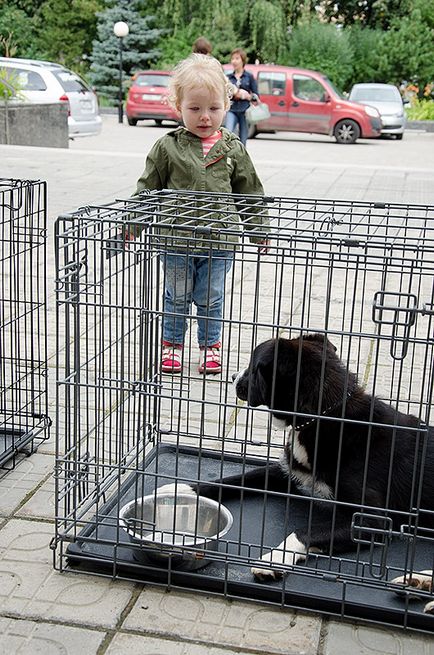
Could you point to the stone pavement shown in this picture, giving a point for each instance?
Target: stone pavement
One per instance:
(42, 610)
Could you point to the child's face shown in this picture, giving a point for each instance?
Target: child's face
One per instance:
(202, 111)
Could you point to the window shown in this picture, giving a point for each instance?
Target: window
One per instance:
(27, 80)
(306, 88)
(272, 84)
(70, 81)
(152, 80)
(376, 95)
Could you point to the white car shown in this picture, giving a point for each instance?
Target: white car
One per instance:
(387, 100)
(45, 82)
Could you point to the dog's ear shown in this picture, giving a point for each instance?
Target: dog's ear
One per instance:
(319, 338)
(262, 385)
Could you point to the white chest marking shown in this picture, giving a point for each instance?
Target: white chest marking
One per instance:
(304, 479)
(299, 452)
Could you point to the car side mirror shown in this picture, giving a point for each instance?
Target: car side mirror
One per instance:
(326, 97)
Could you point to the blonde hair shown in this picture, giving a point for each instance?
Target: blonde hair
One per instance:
(198, 71)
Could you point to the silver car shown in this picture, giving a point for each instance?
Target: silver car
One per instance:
(45, 82)
(387, 99)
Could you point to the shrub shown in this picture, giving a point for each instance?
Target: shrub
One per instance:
(324, 48)
(421, 110)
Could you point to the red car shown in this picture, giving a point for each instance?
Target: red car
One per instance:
(147, 98)
(302, 100)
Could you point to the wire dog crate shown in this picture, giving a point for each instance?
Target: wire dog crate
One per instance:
(360, 273)
(24, 418)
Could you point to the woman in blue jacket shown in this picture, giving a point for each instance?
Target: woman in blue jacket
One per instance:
(245, 90)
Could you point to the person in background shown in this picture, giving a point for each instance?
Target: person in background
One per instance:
(204, 156)
(202, 46)
(246, 90)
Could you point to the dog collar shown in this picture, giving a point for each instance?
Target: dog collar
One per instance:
(301, 426)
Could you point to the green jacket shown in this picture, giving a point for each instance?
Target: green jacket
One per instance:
(176, 162)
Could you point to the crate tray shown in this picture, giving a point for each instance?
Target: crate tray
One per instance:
(344, 585)
(12, 442)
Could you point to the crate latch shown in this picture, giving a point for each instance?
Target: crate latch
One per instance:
(399, 311)
(374, 532)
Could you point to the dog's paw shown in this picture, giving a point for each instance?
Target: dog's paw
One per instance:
(421, 581)
(265, 574)
(288, 553)
(429, 608)
(177, 489)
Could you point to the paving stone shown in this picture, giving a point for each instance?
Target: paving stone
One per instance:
(17, 483)
(143, 645)
(29, 637)
(42, 502)
(344, 638)
(224, 623)
(31, 588)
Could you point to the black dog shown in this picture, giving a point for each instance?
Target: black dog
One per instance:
(344, 445)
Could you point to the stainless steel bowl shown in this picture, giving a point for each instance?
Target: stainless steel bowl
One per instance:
(183, 528)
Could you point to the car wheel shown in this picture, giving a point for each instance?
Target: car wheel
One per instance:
(252, 131)
(132, 121)
(158, 122)
(399, 136)
(346, 131)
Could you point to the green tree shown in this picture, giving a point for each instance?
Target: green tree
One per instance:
(268, 30)
(365, 44)
(406, 52)
(324, 48)
(139, 47)
(17, 33)
(367, 13)
(66, 31)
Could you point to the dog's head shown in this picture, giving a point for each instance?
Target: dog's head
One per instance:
(294, 375)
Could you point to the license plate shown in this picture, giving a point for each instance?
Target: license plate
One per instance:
(150, 96)
(86, 105)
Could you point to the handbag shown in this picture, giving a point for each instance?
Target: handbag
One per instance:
(258, 112)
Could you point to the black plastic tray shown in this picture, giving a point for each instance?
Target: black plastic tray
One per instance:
(340, 585)
(11, 442)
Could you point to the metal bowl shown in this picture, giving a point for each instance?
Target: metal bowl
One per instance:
(182, 528)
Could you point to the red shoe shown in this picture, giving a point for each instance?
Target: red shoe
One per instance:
(210, 359)
(171, 358)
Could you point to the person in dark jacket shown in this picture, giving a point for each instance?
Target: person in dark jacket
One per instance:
(245, 91)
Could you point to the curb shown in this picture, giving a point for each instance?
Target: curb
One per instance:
(425, 126)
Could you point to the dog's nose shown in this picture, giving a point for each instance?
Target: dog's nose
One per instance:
(234, 376)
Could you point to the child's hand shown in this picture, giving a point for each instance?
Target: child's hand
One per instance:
(264, 246)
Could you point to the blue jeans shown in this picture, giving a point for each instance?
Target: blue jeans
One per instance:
(237, 118)
(199, 279)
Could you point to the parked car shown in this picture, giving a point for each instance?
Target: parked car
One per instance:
(147, 98)
(302, 100)
(387, 99)
(45, 82)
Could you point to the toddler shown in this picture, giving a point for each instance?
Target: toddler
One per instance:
(201, 156)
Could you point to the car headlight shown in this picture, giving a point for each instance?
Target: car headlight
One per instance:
(371, 111)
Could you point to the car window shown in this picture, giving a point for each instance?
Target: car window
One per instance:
(152, 80)
(27, 80)
(271, 83)
(379, 95)
(306, 88)
(334, 88)
(70, 81)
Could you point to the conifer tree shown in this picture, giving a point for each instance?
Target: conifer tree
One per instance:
(138, 48)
